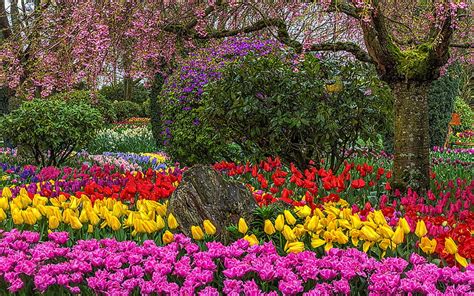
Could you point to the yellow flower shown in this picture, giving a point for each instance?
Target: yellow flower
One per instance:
(355, 234)
(242, 227)
(75, 223)
(288, 233)
(356, 223)
(428, 246)
(197, 233)
(313, 223)
(28, 217)
(317, 242)
(280, 222)
(268, 227)
(209, 228)
(114, 223)
(340, 237)
(450, 246)
(386, 231)
(4, 203)
(90, 228)
(294, 247)
(252, 239)
(172, 223)
(303, 211)
(404, 224)
(379, 218)
(420, 230)
(53, 222)
(398, 236)
(369, 233)
(6, 192)
(160, 222)
(366, 246)
(290, 219)
(168, 237)
(3, 215)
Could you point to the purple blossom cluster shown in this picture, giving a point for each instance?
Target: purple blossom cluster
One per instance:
(109, 267)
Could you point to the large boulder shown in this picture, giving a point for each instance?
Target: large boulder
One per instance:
(204, 194)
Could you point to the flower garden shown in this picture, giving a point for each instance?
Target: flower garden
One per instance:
(236, 148)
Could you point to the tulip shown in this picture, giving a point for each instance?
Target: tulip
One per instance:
(386, 231)
(4, 203)
(197, 232)
(313, 223)
(317, 242)
(114, 223)
(420, 230)
(290, 219)
(168, 237)
(160, 223)
(428, 246)
(7, 193)
(450, 246)
(369, 233)
(288, 233)
(280, 222)
(90, 228)
(172, 223)
(379, 218)
(209, 228)
(268, 227)
(242, 226)
(53, 222)
(75, 223)
(252, 239)
(303, 211)
(356, 223)
(398, 236)
(294, 247)
(404, 224)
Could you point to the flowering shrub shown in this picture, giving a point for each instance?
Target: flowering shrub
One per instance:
(122, 138)
(108, 267)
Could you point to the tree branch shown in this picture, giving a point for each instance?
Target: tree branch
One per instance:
(350, 47)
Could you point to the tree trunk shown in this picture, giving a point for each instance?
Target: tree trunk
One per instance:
(127, 88)
(155, 109)
(412, 148)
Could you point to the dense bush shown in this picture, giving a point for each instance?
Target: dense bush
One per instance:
(96, 100)
(441, 104)
(266, 106)
(116, 93)
(466, 114)
(48, 131)
(126, 109)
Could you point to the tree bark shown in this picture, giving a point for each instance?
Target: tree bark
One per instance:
(412, 147)
(127, 88)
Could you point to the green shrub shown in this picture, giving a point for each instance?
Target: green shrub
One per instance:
(126, 109)
(267, 107)
(441, 104)
(466, 114)
(97, 101)
(48, 131)
(116, 93)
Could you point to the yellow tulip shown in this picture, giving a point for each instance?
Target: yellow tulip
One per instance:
(428, 246)
(404, 224)
(379, 218)
(4, 203)
(356, 223)
(252, 239)
(313, 223)
(355, 234)
(197, 232)
(290, 219)
(209, 228)
(75, 223)
(294, 247)
(303, 211)
(28, 217)
(369, 233)
(386, 231)
(168, 237)
(53, 222)
(399, 235)
(3, 215)
(366, 246)
(460, 259)
(242, 226)
(280, 222)
(83, 216)
(450, 246)
(317, 242)
(328, 246)
(90, 228)
(160, 222)
(288, 233)
(114, 223)
(172, 223)
(268, 227)
(420, 230)
(6, 192)
(344, 223)
(340, 237)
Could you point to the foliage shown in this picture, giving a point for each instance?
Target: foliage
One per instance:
(48, 131)
(466, 114)
(315, 111)
(96, 100)
(123, 139)
(441, 104)
(126, 109)
(115, 92)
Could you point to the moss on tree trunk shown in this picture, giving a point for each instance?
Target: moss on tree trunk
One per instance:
(412, 147)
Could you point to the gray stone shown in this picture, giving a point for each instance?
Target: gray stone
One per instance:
(204, 194)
